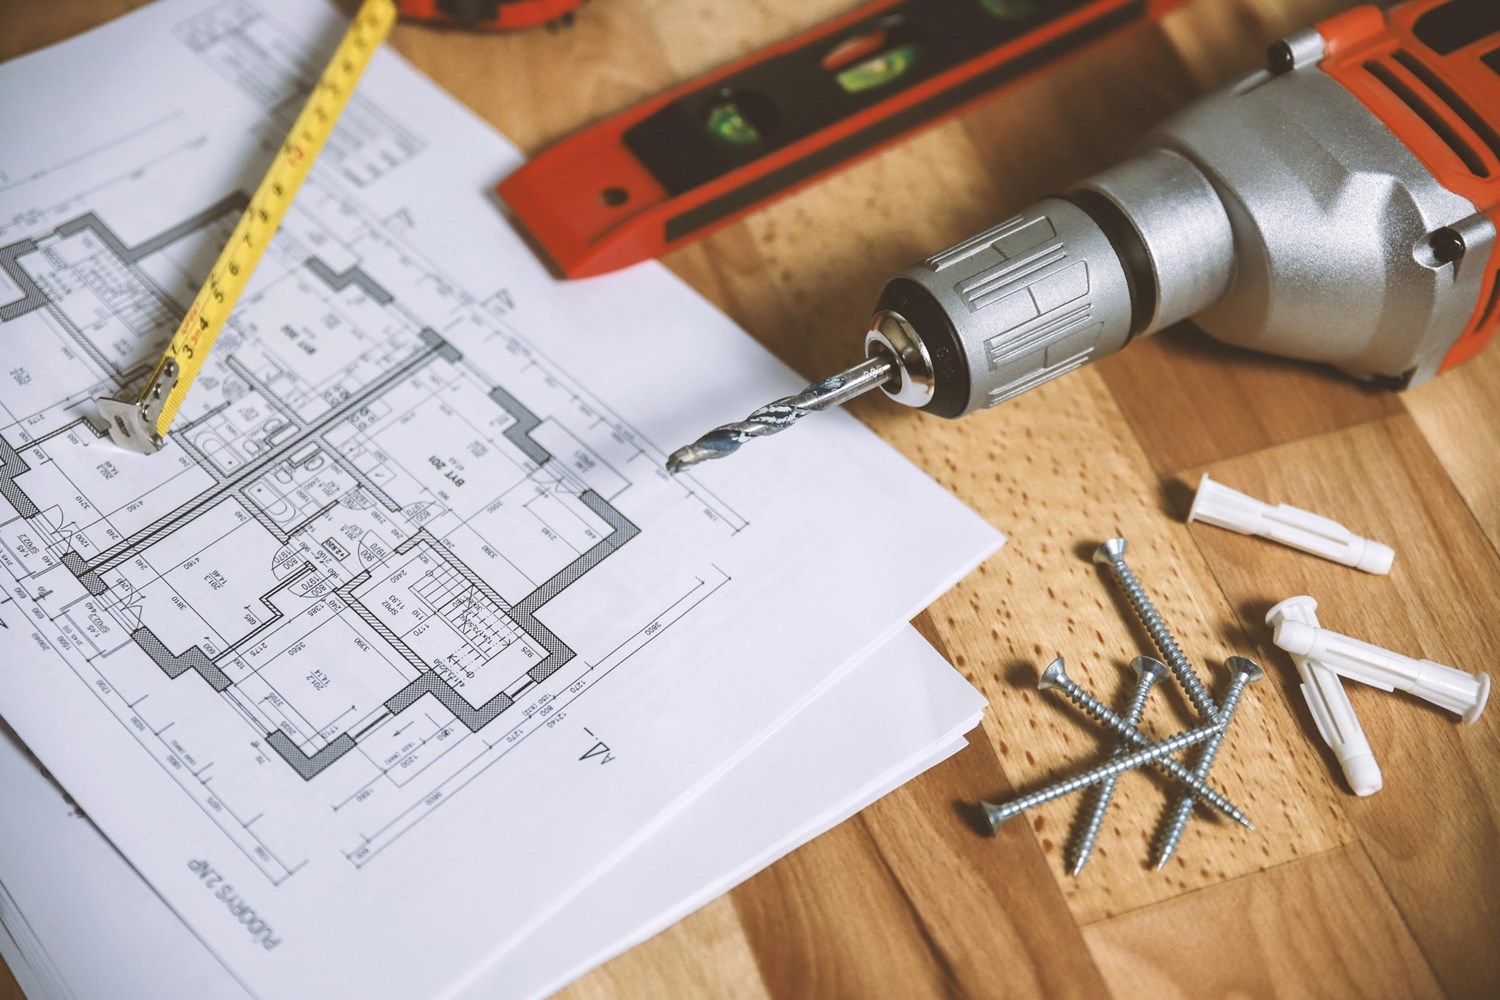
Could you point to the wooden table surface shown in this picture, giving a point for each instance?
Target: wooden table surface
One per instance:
(1395, 895)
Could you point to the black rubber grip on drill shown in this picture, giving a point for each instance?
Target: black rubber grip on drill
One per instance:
(1135, 259)
(930, 320)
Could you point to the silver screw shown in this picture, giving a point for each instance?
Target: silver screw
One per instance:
(1242, 671)
(1147, 673)
(1112, 555)
(1151, 753)
(1055, 676)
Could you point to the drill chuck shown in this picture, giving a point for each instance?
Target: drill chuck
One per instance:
(1131, 250)
(1069, 280)
(1037, 296)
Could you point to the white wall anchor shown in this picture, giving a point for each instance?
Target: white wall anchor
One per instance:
(1329, 704)
(1446, 687)
(1219, 505)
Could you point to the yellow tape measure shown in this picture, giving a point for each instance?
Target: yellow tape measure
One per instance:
(141, 424)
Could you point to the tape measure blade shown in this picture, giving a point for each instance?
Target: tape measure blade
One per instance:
(141, 424)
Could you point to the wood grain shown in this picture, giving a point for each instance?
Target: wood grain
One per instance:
(708, 955)
(1453, 415)
(1439, 814)
(851, 942)
(1334, 896)
(1320, 927)
(990, 907)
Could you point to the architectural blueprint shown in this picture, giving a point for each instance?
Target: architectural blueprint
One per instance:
(406, 635)
(82, 924)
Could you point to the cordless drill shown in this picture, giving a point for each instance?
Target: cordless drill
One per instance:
(1339, 206)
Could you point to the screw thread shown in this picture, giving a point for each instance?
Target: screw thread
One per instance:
(1182, 811)
(1146, 611)
(1149, 754)
(1084, 847)
(1099, 711)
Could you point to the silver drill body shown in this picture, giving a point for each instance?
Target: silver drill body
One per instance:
(1055, 676)
(1243, 670)
(1280, 214)
(1112, 556)
(1151, 753)
(1147, 673)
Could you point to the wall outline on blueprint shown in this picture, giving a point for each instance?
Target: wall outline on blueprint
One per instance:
(383, 597)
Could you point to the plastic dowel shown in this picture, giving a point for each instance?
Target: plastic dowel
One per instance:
(1329, 704)
(1223, 507)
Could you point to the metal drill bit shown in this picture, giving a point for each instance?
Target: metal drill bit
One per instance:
(773, 418)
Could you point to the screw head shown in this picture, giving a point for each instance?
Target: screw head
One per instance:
(1053, 676)
(1110, 551)
(995, 813)
(1243, 666)
(1145, 667)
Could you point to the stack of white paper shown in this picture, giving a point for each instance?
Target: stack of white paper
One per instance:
(99, 930)
(404, 670)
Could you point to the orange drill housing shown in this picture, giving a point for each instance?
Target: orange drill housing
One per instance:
(1430, 70)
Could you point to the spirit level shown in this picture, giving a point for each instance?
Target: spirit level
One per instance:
(493, 15)
(681, 164)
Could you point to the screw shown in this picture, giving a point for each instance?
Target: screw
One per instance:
(1147, 673)
(1151, 753)
(1112, 555)
(1242, 671)
(1056, 677)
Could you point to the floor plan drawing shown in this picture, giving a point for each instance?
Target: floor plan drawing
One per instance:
(248, 47)
(406, 637)
(355, 536)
